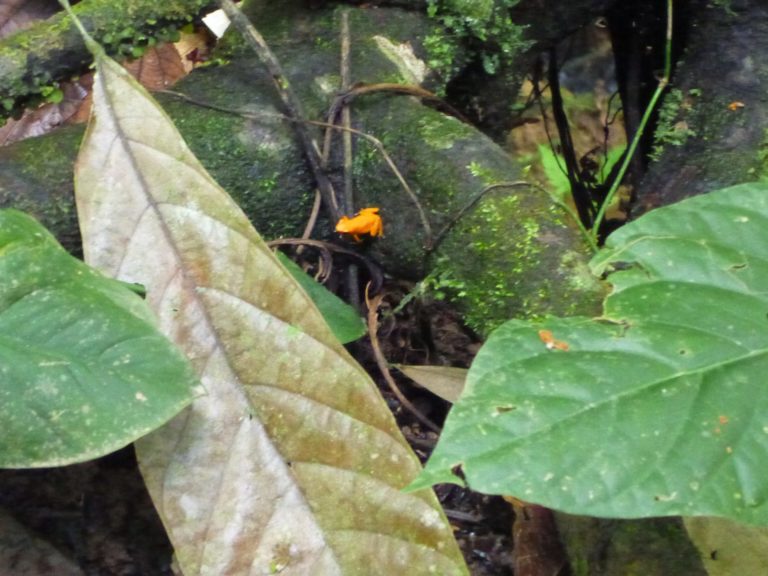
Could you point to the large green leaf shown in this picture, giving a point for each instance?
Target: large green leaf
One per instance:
(292, 464)
(657, 408)
(84, 370)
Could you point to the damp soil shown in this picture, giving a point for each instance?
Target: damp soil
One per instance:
(99, 514)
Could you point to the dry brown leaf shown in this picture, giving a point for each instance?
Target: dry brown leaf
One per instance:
(47, 117)
(159, 67)
(443, 381)
(292, 463)
(15, 15)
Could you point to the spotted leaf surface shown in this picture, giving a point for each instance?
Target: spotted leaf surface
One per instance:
(656, 408)
(292, 463)
(83, 370)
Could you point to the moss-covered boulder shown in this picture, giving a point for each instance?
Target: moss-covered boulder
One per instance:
(513, 254)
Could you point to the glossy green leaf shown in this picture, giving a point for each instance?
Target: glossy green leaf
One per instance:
(344, 322)
(84, 370)
(658, 407)
(292, 463)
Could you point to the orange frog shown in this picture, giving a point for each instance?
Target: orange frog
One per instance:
(367, 221)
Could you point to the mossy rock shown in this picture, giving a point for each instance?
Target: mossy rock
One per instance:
(514, 254)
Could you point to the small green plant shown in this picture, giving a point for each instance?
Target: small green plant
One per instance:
(485, 23)
(553, 163)
(52, 93)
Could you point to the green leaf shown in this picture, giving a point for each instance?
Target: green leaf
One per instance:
(554, 169)
(342, 319)
(658, 407)
(292, 463)
(84, 370)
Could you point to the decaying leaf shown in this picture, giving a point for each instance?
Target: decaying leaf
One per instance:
(292, 464)
(443, 381)
(46, 117)
(158, 68)
(16, 15)
(728, 548)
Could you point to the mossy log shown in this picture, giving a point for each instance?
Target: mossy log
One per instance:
(33, 61)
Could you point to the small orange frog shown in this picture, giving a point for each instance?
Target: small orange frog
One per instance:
(367, 221)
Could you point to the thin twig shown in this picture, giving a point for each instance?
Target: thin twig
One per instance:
(346, 116)
(581, 194)
(460, 516)
(516, 184)
(312, 220)
(392, 88)
(381, 362)
(289, 99)
(374, 271)
(353, 274)
(538, 91)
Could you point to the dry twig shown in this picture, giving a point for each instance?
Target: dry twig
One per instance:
(289, 99)
(381, 362)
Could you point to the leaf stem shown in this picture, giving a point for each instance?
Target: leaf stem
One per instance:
(93, 46)
(663, 82)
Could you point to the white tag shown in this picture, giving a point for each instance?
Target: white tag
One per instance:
(217, 22)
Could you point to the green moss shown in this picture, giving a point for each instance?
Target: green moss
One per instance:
(441, 134)
(42, 167)
(250, 162)
(510, 268)
(673, 126)
(488, 277)
(486, 174)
